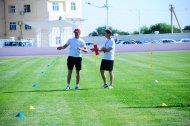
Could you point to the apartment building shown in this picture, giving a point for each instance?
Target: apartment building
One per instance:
(48, 22)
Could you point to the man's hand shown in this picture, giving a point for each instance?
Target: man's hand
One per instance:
(92, 49)
(59, 48)
(98, 49)
(103, 49)
(79, 48)
(82, 49)
(106, 50)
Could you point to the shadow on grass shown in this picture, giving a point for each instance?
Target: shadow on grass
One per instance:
(84, 89)
(143, 107)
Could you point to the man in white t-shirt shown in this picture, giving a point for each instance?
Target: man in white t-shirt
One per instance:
(108, 59)
(75, 57)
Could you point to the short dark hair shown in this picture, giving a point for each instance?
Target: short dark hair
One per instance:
(108, 31)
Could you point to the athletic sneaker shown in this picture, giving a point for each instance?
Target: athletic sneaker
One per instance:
(67, 88)
(110, 87)
(105, 86)
(76, 88)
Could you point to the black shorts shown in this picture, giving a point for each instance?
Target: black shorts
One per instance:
(107, 65)
(74, 61)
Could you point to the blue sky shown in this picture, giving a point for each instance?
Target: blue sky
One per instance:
(123, 14)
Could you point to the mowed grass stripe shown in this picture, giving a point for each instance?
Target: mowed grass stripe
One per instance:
(18, 84)
(25, 72)
(34, 101)
(134, 87)
(83, 100)
(70, 100)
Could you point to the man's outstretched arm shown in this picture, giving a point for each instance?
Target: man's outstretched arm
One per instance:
(62, 47)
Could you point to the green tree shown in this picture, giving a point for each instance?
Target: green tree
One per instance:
(123, 33)
(163, 28)
(100, 31)
(145, 30)
(115, 31)
(94, 33)
(187, 28)
(135, 32)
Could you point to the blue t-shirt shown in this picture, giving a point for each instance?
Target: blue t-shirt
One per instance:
(109, 43)
(74, 43)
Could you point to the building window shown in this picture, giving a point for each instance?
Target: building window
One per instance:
(55, 6)
(12, 25)
(28, 27)
(73, 6)
(27, 8)
(58, 40)
(11, 9)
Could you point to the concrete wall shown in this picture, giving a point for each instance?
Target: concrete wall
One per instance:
(146, 37)
(143, 37)
(119, 49)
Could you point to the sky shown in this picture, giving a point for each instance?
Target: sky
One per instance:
(124, 14)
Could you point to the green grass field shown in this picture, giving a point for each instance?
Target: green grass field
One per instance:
(134, 100)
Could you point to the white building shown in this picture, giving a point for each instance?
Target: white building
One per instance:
(47, 22)
(2, 20)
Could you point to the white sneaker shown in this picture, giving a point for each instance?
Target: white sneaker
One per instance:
(67, 88)
(110, 87)
(105, 86)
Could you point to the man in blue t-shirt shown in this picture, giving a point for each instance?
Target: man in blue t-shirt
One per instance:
(108, 58)
(75, 57)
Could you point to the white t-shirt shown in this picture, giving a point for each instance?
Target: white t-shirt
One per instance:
(74, 43)
(109, 55)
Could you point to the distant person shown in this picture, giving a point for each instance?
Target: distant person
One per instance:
(75, 57)
(108, 59)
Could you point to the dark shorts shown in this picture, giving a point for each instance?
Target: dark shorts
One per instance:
(74, 61)
(107, 65)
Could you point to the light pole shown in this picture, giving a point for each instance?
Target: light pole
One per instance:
(107, 11)
(171, 9)
(138, 13)
(139, 16)
(173, 12)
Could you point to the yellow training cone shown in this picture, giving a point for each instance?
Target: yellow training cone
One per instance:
(31, 107)
(164, 104)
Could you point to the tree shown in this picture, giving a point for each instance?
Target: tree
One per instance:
(115, 31)
(123, 33)
(100, 31)
(94, 33)
(163, 28)
(145, 30)
(187, 28)
(135, 33)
